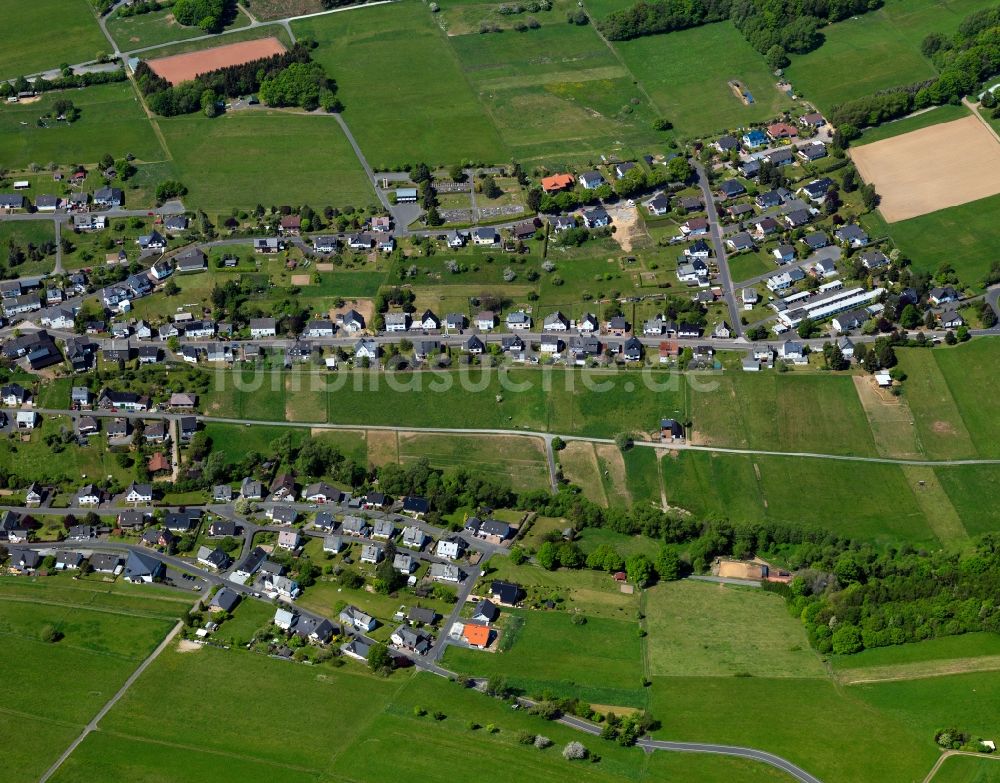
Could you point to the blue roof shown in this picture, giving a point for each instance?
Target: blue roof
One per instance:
(756, 135)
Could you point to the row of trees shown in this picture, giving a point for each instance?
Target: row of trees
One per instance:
(70, 81)
(210, 15)
(964, 60)
(773, 27)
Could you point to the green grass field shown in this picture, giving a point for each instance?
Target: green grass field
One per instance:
(935, 116)
(877, 50)
(789, 412)
(600, 661)
(565, 402)
(557, 92)
(266, 157)
(966, 369)
(41, 36)
(965, 769)
(520, 460)
(808, 721)
(405, 95)
(796, 491)
(158, 27)
(691, 89)
(111, 121)
(705, 630)
(963, 236)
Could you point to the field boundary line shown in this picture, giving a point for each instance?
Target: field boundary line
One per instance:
(89, 608)
(92, 726)
(975, 111)
(212, 751)
(948, 754)
(43, 719)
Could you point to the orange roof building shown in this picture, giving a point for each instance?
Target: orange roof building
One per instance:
(476, 635)
(158, 462)
(782, 130)
(557, 182)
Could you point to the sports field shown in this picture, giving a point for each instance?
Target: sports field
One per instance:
(42, 35)
(267, 157)
(960, 163)
(111, 121)
(183, 67)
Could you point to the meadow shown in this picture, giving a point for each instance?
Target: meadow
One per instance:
(875, 51)
(727, 631)
(966, 769)
(24, 233)
(43, 35)
(557, 93)
(802, 492)
(158, 27)
(967, 371)
(599, 661)
(265, 157)
(811, 722)
(405, 96)
(571, 402)
(691, 89)
(111, 121)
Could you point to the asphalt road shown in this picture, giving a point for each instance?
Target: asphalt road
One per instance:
(719, 249)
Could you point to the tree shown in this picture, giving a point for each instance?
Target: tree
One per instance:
(379, 659)
(808, 328)
(624, 441)
(869, 197)
(777, 58)
(679, 169)
(605, 558)
(548, 556)
(106, 161)
(171, 288)
(575, 750)
(490, 187)
(668, 565)
(169, 189)
(847, 640)
(639, 569)
(49, 634)
(910, 317)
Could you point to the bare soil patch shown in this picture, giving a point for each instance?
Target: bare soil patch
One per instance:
(186, 646)
(383, 447)
(301, 279)
(626, 223)
(932, 168)
(324, 267)
(364, 306)
(183, 67)
(944, 427)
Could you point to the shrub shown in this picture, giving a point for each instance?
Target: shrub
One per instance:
(542, 742)
(575, 750)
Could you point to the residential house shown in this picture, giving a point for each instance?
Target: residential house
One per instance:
(557, 182)
(451, 548)
(942, 295)
(282, 515)
(445, 572)
(283, 487)
(263, 327)
(355, 618)
(143, 568)
(485, 235)
(408, 638)
(485, 611)
(740, 241)
(251, 489)
(355, 526)
(190, 261)
(289, 539)
(414, 537)
(591, 180)
(596, 218)
(518, 320)
(505, 593)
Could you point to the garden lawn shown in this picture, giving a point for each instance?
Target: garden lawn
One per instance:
(37, 461)
(111, 121)
(339, 703)
(707, 630)
(23, 233)
(266, 157)
(104, 756)
(829, 731)
(40, 36)
(964, 237)
(405, 96)
(599, 661)
(686, 74)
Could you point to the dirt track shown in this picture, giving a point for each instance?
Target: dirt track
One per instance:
(932, 168)
(183, 67)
